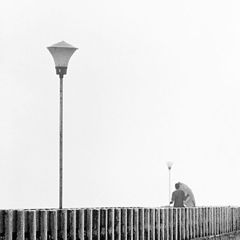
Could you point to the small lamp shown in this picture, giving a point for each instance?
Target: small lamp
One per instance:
(169, 165)
(61, 53)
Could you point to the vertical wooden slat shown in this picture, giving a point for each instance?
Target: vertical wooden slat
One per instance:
(166, 215)
(158, 223)
(238, 219)
(221, 214)
(71, 224)
(151, 224)
(187, 222)
(175, 223)
(171, 223)
(210, 220)
(8, 224)
(125, 224)
(219, 220)
(225, 218)
(43, 224)
(146, 235)
(20, 225)
(136, 224)
(80, 223)
(235, 219)
(234, 214)
(95, 222)
(89, 224)
(222, 227)
(183, 223)
(180, 223)
(112, 222)
(200, 221)
(238, 228)
(206, 221)
(190, 223)
(194, 222)
(141, 223)
(154, 236)
(230, 219)
(162, 223)
(131, 223)
(120, 224)
(62, 224)
(213, 221)
(116, 224)
(52, 215)
(216, 220)
(98, 224)
(32, 230)
(238, 216)
(1, 222)
(122, 227)
(148, 224)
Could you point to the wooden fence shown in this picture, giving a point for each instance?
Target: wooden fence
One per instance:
(118, 223)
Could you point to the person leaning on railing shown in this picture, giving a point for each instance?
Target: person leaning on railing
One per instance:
(178, 197)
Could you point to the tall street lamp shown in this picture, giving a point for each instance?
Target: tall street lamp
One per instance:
(169, 165)
(61, 53)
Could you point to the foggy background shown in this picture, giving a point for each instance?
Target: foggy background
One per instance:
(152, 81)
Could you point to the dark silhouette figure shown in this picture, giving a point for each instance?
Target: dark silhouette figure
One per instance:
(178, 197)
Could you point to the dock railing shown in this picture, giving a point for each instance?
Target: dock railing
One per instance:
(118, 223)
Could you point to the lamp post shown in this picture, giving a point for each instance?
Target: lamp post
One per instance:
(169, 165)
(61, 53)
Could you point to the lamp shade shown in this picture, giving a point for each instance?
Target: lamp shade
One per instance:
(169, 164)
(61, 53)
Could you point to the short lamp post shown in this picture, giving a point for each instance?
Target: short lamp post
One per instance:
(169, 165)
(61, 53)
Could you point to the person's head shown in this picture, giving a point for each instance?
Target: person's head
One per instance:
(177, 186)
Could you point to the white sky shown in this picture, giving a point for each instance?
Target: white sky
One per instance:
(152, 81)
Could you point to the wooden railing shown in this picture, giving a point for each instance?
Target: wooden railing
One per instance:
(118, 223)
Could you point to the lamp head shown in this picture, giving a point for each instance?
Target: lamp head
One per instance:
(61, 53)
(169, 165)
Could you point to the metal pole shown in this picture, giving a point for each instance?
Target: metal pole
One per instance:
(61, 144)
(169, 186)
